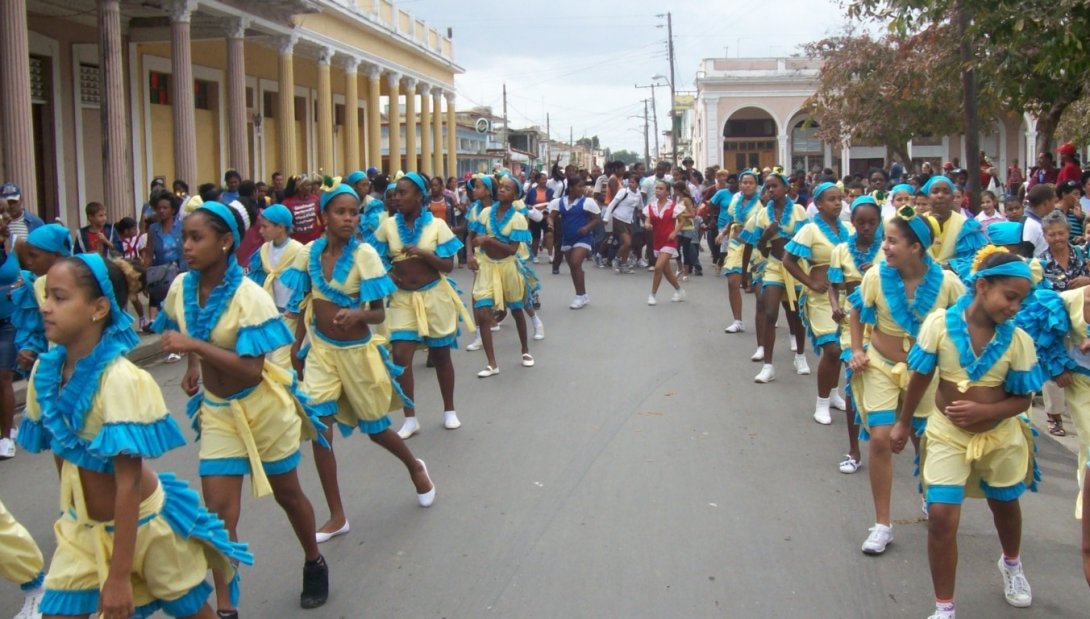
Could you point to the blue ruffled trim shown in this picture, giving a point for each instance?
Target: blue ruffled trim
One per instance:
(372, 427)
(189, 604)
(27, 317)
(477, 227)
(868, 314)
(1025, 382)
(341, 269)
(143, 440)
(193, 409)
(521, 236)
(299, 283)
(947, 495)
(395, 371)
(958, 332)
(450, 248)
(1023, 419)
(970, 238)
(448, 341)
(257, 271)
(33, 584)
(821, 340)
(878, 419)
(749, 237)
(798, 249)
(376, 288)
(324, 409)
(308, 408)
(201, 321)
(213, 467)
(1010, 493)
(69, 603)
(261, 339)
(163, 323)
(33, 435)
(910, 317)
(1044, 318)
(836, 275)
(921, 361)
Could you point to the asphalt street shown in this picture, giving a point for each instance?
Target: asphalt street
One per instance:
(636, 471)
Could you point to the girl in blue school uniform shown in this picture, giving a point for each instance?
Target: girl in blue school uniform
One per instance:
(575, 215)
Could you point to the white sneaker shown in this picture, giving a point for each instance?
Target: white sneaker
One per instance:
(850, 465)
(837, 401)
(173, 358)
(679, 296)
(758, 355)
(923, 508)
(943, 615)
(31, 601)
(641, 263)
(802, 368)
(475, 344)
(539, 331)
(496, 328)
(792, 343)
(7, 448)
(821, 413)
(579, 302)
(880, 537)
(450, 420)
(1015, 586)
(409, 428)
(766, 375)
(735, 327)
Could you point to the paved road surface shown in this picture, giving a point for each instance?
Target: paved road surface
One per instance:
(636, 471)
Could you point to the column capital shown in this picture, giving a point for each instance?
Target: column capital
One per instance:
(286, 44)
(181, 10)
(325, 55)
(350, 64)
(424, 88)
(374, 72)
(393, 78)
(437, 92)
(410, 85)
(449, 95)
(236, 27)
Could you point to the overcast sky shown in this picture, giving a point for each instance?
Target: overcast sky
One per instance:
(579, 60)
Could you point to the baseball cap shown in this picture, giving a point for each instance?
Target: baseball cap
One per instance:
(372, 170)
(10, 191)
(947, 166)
(1067, 149)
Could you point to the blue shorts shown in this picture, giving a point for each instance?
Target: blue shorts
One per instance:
(7, 345)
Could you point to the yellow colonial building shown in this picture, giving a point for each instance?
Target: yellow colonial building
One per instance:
(96, 92)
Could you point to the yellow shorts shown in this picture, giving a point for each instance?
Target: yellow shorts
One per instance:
(427, 316)
(878, 389)
(773, 273)
(256, 432)
(20, 558)
(1077, 397)
(282, 356)
(996, 464)
(818, 318)
(498, 284)
(732, 264)
(352, 382)
(177, 542)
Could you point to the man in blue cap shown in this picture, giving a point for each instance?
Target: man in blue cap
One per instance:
(22, 221)
(372, 172)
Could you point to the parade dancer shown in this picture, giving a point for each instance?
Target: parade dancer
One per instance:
(849, 262)
(425, 309)
(372, 210)
(732, 220)
(575, 215)
(499, 231)
(815, 243)
(340, 288)
(958, 236)
(269, 263)
(893, 298)
(129, 541)
(37, 254)
(773, 226)
(978, 443)
(21, 563)
(483, 191)
(660, 220)
(249, 414)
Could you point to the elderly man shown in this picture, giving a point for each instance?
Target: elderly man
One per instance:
(22, 222)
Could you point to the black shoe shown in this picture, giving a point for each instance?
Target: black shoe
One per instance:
(315, 583)
(556, 270)
(227, 614)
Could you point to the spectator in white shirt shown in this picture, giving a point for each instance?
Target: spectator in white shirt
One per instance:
(1042, 201)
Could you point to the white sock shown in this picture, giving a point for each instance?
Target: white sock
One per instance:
(823, 403)
(767, 366)
(537, 320)
(801, 356)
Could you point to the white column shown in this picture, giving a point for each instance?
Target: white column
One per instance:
(714, 147)
(181, 92)
(393, 122)
(285, 115)
(16, 124)
(351, 115)
(785, 159)
(411, 153)
(236, 96)
(325, 112)
(425, 130)
(116, 147)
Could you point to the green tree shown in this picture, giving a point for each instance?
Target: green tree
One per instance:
(627, 156)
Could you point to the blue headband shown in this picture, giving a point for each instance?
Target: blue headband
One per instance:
(753, 173)
(355, 177)
(53, 238)
(922, 229)
(937, 179)
(1005, 233)
(782, 177)
(419, 181)
(861, 200)
(227, 215)
(822, 188)
(120, 325)
(1014, 268)
(340, 190)
(487, 180)
(520, 193)
(902, 187)
(278, 214)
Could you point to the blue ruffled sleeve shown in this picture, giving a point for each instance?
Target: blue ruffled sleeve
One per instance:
(970, 239)
(521, 236)
(257, 272)
(836, 275)
(477, 227)
(798, 249)
(921, 361)
(27, 317)
(1044, 318)
(447, 249)
(135, 419)
(1024, 382)
(163, 323)
(33, 436)
(142, 440)
(263, 338)
(867, 313)
(299, 282)
(376, 288)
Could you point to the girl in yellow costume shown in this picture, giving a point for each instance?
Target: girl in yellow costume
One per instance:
(372, 210)
(849, 261)
(958, 236)
(773, 226)
(250, 416)
(424, 308)
(893, 298)
(21, 563)
(742, 206)
(815, 244)
(482, 190)
(349, 378)
(271, 261)
(499, 231)
(129, 542)
(37, 253)
(978, 442)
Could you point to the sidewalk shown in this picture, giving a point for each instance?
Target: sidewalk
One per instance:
(147, 351)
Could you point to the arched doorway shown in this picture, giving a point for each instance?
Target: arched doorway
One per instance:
(749, 139)
(807, 150)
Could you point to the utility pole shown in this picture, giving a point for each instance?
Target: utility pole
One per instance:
(655, 117)
(673, 93)
(646, 151)
(506, 129)
(548, 145)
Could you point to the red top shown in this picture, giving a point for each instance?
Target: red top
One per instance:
(306, 223)
(1070, 172)
(662, 225)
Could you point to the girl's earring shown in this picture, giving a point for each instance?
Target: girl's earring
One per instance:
(224, 249)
